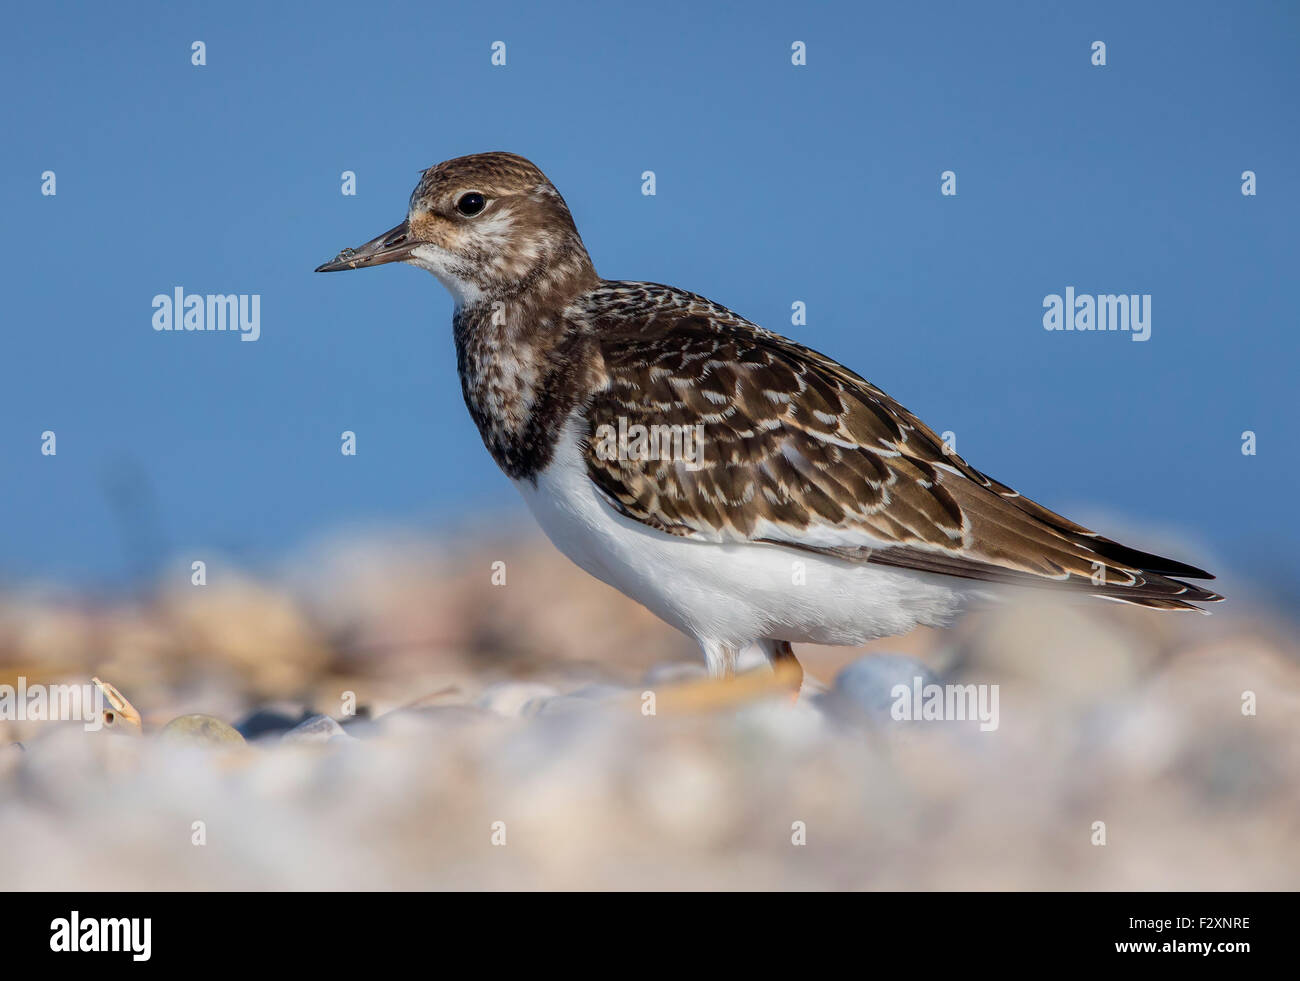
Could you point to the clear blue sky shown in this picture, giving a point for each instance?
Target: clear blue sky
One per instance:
(775, 183)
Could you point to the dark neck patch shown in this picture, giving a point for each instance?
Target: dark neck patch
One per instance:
(520, 382)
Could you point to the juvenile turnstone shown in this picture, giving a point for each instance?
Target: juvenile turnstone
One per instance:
(797, 502)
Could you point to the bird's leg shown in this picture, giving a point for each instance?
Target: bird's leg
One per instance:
(785, 665)
(725, 690)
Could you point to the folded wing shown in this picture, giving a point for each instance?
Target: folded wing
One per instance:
(747, 436)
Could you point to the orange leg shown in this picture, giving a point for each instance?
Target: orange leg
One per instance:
(786, 665)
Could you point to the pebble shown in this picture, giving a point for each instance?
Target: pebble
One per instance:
(200, 730)
(862, 693)
(509, 697)
(270, 721)
(584, 699)
(317, 729)
(674, 671)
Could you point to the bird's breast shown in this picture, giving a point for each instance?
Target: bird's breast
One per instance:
(520, 382)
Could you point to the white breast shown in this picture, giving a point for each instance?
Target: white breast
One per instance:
(728, 593)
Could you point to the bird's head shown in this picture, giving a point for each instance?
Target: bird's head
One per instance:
(489, 226)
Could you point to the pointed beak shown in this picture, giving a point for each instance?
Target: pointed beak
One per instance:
(392, 246)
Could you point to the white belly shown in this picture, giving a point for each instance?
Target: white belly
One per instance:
(729, 593)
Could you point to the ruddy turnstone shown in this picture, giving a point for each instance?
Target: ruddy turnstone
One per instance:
(745, 488)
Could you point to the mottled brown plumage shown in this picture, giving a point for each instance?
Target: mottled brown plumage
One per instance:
(795, 443)
(797, 451)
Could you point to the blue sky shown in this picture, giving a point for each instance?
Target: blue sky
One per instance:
(775, 183)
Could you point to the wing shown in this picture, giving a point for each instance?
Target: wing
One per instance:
(747, 436)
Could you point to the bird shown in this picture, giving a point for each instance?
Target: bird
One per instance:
(747, 489)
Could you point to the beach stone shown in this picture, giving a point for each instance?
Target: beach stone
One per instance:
(270, 721)
(361, 726)
(436, 722)
(862, 690)
(200, 730)
(598, 692)
(509, 697)
(317, 729)
(453, 715)
(673, 672)
(584, 699)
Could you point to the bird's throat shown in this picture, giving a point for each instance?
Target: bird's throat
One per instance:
(524, 365)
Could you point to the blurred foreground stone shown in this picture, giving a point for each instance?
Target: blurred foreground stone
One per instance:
(410, 725)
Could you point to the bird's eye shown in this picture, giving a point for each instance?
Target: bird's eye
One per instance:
(471, 204)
